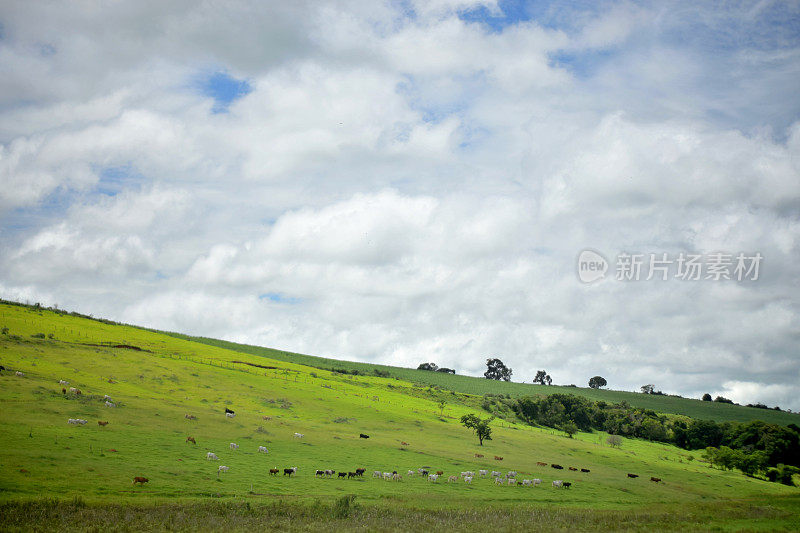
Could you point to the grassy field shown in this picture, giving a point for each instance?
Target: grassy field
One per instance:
(720, 412)
(89, 469)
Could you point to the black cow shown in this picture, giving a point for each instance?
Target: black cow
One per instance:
(343, 474)
(557, 467)
(352, 474)
(362, 436)
(288, 472)
(319, 473)
(229, 411)
(566, 484)
(584, 470)
(633, 475)
(360, 472)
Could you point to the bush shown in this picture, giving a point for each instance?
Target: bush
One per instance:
(344, 506)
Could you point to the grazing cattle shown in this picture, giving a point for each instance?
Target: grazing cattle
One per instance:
(109, 404)
(189, 417)
(62, 382)
(140, 480)
(288, 471)
(424, 473)
(557, 467)
(329, 473)
(77, 392)
(567, 484)
(498, 481)
(107, 397)
(512, 481)
(479, 455)
(342, 475)
(376, 473)
(573, 468)
(558, 483)
(363, 436)
(498, 458)
(351, 474)
(404, 443)
(73, 390)
(360, 471)
(585, 470)
(212, 456)
(527, 482)
(18, 373)
(229, 412)
(102, 423)
(274, 471)
(298, 435)
(319, 473)
(655, 479)
(263, 449)
(266, 418)
(483, 473)
(537, 481)
(63, 391)
(191, 439)
(230, 415)
(495, 473)
(539, 463)
(468, 479)
(397, 477)
(410, 472)
(76, 421)
(433, 477)
(633, 475)
(234, 446)
(222, 468)
(452, 479)
(439, 473)
(512, 473)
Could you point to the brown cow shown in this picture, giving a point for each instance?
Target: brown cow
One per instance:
(573, 468)
(101, 423)
(266, 418)
(633, 475)
(655, 479)
(498, 458)
(191, 439)
(479, 455)
(274, 471)
(63, 390)
(140, 480)
(539, 463)
(439, 473)
(189, 417)
(404, 443)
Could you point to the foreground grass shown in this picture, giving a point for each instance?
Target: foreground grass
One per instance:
(345, 514)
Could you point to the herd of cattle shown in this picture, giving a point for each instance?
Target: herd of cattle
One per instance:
(500, 478)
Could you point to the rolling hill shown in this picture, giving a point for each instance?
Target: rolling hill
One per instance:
(156, 379)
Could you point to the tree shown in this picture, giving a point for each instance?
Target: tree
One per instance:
(479, 426)
(597, 382)
(706, 397)
(442, 404)
(615, 441)
(428, 366)
(542, 378)
(496, 369)
(648, 389)
(722, 399)
(569, 428)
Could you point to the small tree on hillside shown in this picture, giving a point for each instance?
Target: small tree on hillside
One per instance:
(648, 389)
(706, 397)
(543, 378)
(615, 441)
(428, 366)
(569, 428)
(479, 426)
(442, 404)
(597, 382)
(496, 369)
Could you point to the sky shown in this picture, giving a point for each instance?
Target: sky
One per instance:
(414, 181)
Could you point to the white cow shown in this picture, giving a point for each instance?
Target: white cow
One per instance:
(376, 473)
(512, 473)
(263, 449)
(387, 476)
(212, 456)
(109, 404)
(80, 421)
(495, 473)
(222, 468)
(512, 481)
(526, 482)
(468, 479)
(298, 435)
(397, 477)
(234, 446)
(230, 415)
(72, 421)
(558, 483)
(73, 389)
(498, 481)
(62, 382)
(537, 481)
(433, 477)
(20, 374)
(107, 397)
(410, 472)
(483, 473)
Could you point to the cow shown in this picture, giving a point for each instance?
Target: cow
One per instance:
(351, 474)
(452, 479)
(483, 473)
(512, 481)
(527, 482)
(539, 463)
(512, 473)
(410, 473)
(18, 373)
(342, 475)
(633, 475)
(189, 417)
(537, 481)
(397, 477)
(495, 473)
(360, 472)
(266, 418)
(234, 446)
(655, 479)
(319, 473)
(498, 481)
(109, 404)
(387, 476)
(63, 391)
(567, 484)
(263, 449)
(298, 435)
(229, 412)
(288, 471)
(230, 415)
(363, 436)
(404, 443)
(107, 397)
(479, 455)
(329, 473)
(573, 468)
(191, 439)
(585, 470)
(498, 458)
(222, 468)
(72, 421)
(439, 473)
(140, 480)
(468, 479)
(274, 471)
(102, 423)
(557, 467)
(433, 477)
(376, 473)
(557, 483)
(424, 473)
(62, 382)
(212, 456)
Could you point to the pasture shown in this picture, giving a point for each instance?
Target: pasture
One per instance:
(155, 380)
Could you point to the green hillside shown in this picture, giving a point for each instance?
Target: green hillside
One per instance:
(720, 412)
(154, 380)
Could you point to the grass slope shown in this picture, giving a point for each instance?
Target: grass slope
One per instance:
(720, 412)
(42, 456)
